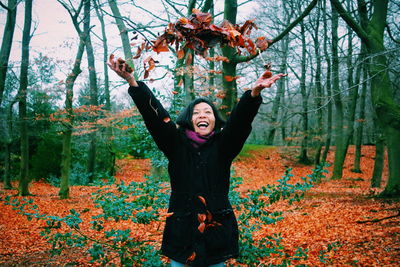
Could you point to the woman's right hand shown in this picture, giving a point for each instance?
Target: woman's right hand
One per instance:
(122, 69)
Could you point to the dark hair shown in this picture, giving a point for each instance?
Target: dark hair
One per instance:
(184, 119)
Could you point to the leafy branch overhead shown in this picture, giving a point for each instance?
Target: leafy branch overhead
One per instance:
(199, 34)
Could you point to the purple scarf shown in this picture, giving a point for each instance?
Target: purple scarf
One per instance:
(197, 139)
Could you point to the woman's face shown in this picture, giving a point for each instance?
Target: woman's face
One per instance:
(203, 118)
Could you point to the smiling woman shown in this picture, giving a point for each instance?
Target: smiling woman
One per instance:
(200, 147)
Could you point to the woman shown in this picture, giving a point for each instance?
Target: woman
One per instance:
(200, 147)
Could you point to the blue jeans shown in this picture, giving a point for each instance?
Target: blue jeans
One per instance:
(178, 264)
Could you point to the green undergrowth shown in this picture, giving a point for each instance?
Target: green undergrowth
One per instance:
(248, 148)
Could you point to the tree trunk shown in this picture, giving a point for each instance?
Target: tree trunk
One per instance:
(379, 158)
(123, 32)
(303, 157)
(229, 68)
(67, 133)
(328, 88)
(23, 189)
(8, 138)
(5, 51)
(280, 92)
(353, 93)
(6, 44)
(361, 119)
(337, 97)
(93, 89)
(110, 158)
(318, 92)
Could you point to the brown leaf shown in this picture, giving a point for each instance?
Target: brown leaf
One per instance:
(201, 217)
(201, 227)
(180, 53)
(189, 59)
(229, 78)
(191, 257)
(262, 43)
(203, 200)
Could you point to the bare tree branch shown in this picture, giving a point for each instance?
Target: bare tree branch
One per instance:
(381, 219)
(390, 35)
(350, 21)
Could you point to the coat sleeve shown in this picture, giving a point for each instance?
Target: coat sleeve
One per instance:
(238, 125)
(156, 118)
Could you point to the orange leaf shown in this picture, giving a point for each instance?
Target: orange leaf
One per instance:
(189, 59)
(262, 43)
(229, 78)
(203, 200)
(191, 257)
(201, 227)
(181, 53)
(201, 217)
(209, 216)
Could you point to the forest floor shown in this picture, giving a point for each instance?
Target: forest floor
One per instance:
(328, 214)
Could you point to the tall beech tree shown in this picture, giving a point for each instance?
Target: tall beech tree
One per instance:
(91, 163)
(387, 110)
(303, 157)
(69, 94)
(281, 84)
(23, 189)
(361, 117)
(5, 51)
(6, 43)
(110, 157)
(123, 33)
(337, 98)
(318, 94)
(328, 86)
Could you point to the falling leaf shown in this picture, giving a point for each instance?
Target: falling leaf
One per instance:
(180, 53)
(203, 200)
(229, 78)
(262, 43)
(191, 257)
(189, 59)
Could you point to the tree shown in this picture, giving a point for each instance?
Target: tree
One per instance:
(69, 93)
(318, 87)
(281, 84)
(123, 33)
(328, 87)
(6, 44)
(337, 97)
(91, 164)
(4, 58)
(110, 157)
(387, 111)
(361, 116)
(303, 157)
(22, 94)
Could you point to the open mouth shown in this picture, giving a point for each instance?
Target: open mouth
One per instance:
(202, 125)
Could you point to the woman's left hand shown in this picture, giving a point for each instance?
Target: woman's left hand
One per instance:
(264, 82)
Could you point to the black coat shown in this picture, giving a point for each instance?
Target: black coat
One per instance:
(203, 222)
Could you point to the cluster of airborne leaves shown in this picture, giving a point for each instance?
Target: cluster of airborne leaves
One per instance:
(144, 202)
(199, 34)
